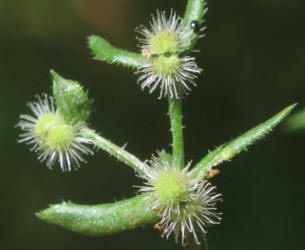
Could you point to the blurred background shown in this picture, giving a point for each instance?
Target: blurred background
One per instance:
(253, 59)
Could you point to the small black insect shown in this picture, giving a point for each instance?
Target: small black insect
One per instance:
(195, 26)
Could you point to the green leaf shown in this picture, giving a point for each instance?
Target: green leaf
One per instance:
(104, 51)
(71, 99)
(101, 219)
(296, 121)
(228, 150)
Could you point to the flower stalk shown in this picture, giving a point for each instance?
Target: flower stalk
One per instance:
(118, 152)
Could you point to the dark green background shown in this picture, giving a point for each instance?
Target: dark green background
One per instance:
(253, 59)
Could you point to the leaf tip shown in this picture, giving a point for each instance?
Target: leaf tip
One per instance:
(288, 110)
(91, 40)
(55, 76)
(42, 214)
(293, 106)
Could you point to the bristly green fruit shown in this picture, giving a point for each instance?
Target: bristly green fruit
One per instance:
(167, 65)
(171, 187)
(60, 137)
(45, 123)
(165, 42)
(71, 99)
(51, 137)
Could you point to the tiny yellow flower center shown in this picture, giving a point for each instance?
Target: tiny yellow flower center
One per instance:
(60, 136)
(165, 42)
(171, 187)
(45, 123)
(167, 65)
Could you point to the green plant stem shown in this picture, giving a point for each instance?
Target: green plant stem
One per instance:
(175, 113)
(116, 151)
(195, 10)
(131, 213)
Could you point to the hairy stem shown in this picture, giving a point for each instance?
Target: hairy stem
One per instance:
(119, 152)
(175, 113)
(195, 10)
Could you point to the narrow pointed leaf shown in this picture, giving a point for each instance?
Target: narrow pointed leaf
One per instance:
(101, 219)
(228, 150)
(104, 51)
(71, 99)
(296, 121)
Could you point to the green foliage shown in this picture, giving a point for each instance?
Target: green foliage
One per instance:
(113, 217)
(71, 99)
(73, 104)
(101, 219)
(104, 51)
(228, 150)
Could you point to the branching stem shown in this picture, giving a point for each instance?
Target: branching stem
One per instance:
(195, 10)
(119, 152)
(134, 212)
